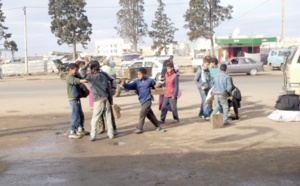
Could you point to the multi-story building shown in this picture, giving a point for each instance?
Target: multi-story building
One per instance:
(112, 47)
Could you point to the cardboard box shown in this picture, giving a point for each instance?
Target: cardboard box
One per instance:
(158, 91)
(116, 111)
(217, 121)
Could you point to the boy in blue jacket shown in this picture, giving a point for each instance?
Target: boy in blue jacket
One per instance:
(143, 85)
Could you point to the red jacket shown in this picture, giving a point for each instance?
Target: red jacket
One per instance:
(171, 85)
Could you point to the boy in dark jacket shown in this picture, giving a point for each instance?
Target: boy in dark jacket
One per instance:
(143, 85)
(74, 94)
(102, 98)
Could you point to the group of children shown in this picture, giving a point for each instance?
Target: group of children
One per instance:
(211, 76)
(102, 85)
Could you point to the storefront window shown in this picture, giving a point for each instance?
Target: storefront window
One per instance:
(237, 51)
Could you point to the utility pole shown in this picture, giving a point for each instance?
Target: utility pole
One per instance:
(25, 41)
(283, 24)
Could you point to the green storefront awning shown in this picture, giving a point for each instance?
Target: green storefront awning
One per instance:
(245, 41)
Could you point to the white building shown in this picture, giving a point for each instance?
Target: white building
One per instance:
(112, 47)
(180, 49)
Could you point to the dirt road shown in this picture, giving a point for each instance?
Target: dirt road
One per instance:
(34, 148)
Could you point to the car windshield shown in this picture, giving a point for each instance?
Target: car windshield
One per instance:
(130, 57)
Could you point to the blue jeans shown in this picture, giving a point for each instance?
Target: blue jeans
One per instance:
(77, 116)
(221, 104)
(206, 109)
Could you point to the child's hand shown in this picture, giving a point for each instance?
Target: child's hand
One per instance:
(173, 97)
(83, 81)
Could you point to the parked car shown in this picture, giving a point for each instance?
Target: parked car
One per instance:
(127, 59)
(277, 58)
(243, 65)
(156, 66)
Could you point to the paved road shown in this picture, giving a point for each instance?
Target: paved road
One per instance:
(34, 149)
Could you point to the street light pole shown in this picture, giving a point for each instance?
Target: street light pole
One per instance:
(25, 41)
(283, 24)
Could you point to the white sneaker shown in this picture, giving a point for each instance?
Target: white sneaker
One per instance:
(207, 118)
(73, 135)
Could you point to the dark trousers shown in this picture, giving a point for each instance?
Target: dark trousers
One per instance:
(169, 103)
(146, 111)
(235, 104)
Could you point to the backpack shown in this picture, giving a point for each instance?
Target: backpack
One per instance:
(84, 91)
(237, 93)
(288, 102)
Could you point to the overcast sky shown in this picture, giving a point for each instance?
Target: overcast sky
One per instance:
(252, 17)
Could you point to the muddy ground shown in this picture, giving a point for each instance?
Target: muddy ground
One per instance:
(34, 148)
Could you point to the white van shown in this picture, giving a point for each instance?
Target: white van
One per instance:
(291, 71)
(276, 58)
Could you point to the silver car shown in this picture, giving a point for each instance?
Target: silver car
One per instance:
(244, 65)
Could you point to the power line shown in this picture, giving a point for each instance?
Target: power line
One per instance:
(98, 7)
(242, 15)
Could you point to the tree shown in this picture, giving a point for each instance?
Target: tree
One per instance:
(163, 33)
(203, 16)
(131, 23)
(69, 23)
(3, 34)
(12, 46)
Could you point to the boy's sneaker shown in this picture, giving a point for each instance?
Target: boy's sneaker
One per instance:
(207, 118)
(138, 131)
(226, 123)
(73, 135)
(176, 121)
(92, 139)
(82, 132)
(159, 129)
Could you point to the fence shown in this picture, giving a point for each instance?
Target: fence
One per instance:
(34, 67)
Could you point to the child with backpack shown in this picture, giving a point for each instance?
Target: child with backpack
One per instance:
(74, 95)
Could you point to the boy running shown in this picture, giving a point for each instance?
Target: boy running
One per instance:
(143, 85)
(170, 98)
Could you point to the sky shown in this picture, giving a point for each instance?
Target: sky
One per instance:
(252, 17)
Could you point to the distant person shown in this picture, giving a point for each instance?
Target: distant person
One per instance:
(222, 91)
(214, 68)
(170, 98)
(235, 100)
(102, 97)
(74, 95)
(0, 73)
(203, 82)
(164, 68)
(143, 85)
(108, 69)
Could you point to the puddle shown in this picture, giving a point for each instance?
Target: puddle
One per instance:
(12, 111)
(120, 143)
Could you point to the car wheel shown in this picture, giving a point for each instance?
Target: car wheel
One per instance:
(270, 67)
(253, 72)
(158, 77)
